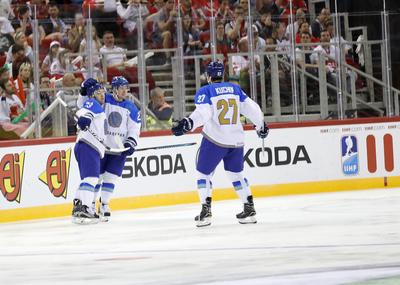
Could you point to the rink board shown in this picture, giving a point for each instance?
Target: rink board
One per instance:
(38, 178)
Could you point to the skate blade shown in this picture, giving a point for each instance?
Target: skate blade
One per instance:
(248, 220)
(84, 221)
(203, 223)
(104, 219)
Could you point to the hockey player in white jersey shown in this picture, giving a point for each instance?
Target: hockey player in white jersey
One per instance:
(218, 109)
(88, 152)
(123, 126)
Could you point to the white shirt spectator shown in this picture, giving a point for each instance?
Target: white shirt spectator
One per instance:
(6, 103)
(114, 55)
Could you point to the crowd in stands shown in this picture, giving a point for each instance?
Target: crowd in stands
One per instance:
(63, 25)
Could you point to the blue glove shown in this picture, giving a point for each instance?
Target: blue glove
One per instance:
(182, 126)
(129, 143)
(263, 132)
(84, 122)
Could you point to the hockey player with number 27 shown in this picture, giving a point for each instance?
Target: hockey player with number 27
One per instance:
(88, 153)
(122, 125)
(218, 109)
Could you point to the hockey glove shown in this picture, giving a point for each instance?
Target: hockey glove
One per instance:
(263, 132)
(84, 122)
(182, 126)
(130, 143)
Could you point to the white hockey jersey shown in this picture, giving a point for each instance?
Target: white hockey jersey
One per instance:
(123, 120)
(97, 126)
(218, 108)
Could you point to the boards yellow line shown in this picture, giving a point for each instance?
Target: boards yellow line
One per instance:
(127, 203)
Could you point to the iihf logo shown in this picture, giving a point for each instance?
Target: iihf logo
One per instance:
(350, 164)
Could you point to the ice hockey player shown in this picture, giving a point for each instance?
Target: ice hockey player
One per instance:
(218, 108)
(123, 127)
(88, 152)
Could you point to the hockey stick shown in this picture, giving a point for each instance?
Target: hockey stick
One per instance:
(165, 146)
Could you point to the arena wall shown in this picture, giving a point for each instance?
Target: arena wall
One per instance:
(38, 178)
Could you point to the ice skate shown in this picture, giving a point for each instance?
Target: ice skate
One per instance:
(82, 215)
(104, 212)
(204, 219)
(248, 216)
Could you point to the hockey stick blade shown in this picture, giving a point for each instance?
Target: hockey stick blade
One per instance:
(165, 146)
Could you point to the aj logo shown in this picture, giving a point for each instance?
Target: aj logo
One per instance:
(56, 174)
(11, 173)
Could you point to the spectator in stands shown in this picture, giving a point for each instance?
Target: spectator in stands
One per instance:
(285, 5)
(130, 15)
(40, 6)
(97, 72)
(305, 27)
(303, 59)
(223, 43)
(269, 6)
(237, 27)
(241, 64)
(191, 37)
(59, 66)
(318, 24)
(18, 57)
(66, 93)
(54, 26)
(5, 25)
(158, 106)
(10, 109)
(196, 13)
(69, 94)
(77, 33)
(23, 23)
(20, 39)
(330, 53)
(117, 65)
(281, 40)
(156, 6)
(224, 13)
(46, 96)
(165, 28)
(328, 24)
(114, 56)
(265, 25)
(300, 18)
(11, 105)
(258, 42)
(5, 73)
(96, 46)
(51, 57)
(23, 83)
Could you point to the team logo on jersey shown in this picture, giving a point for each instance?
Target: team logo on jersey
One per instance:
(350, 164)
(11, 173)
(56, 174)
(115, 119)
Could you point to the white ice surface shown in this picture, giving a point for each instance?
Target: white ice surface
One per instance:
(333, 238)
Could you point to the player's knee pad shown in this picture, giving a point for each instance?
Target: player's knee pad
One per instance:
(204, 181)
(238, 180)
(92, 181)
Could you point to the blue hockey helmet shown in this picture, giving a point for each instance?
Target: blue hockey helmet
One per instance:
(86, 84)
(215, 70)
(119, 81)
(92, 89)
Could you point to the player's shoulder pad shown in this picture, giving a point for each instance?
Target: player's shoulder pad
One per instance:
(239, 91)
(93, 105)
(203, 95)
(134, 112)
